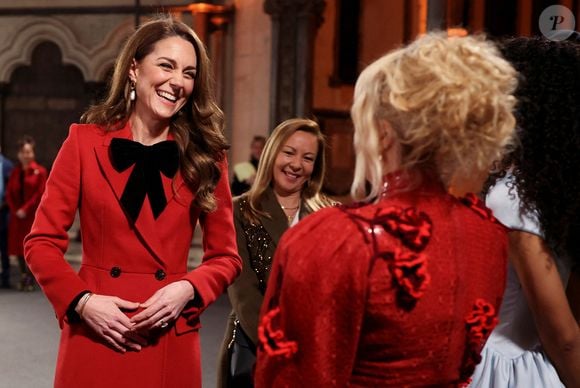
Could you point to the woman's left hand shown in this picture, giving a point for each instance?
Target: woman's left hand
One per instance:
(164, 306)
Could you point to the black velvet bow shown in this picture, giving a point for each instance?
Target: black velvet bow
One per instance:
(145, 179)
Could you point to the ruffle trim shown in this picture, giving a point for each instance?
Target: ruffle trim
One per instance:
(479, 324)
(478, 206)
(408, 266)
(411, 227)
(274, 341)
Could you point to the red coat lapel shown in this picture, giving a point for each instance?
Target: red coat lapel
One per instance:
(145, 225)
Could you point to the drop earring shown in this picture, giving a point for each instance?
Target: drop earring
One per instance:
(132, 93)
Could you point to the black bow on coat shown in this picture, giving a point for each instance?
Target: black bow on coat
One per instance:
(145, 179)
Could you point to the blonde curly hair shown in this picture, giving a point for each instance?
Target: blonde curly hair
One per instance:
(449, 101)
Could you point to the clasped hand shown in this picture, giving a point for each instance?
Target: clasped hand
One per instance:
(105, 316)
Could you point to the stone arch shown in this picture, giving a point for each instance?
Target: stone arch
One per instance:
(91, 61)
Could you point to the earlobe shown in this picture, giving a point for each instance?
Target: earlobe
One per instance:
(386, 135)
(389, 147)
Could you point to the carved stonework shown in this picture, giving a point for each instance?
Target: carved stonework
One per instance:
(294, 25)
(93, 62)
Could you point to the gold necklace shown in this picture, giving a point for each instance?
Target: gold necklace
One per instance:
(291, 217)
(289, 208)
(293, 210)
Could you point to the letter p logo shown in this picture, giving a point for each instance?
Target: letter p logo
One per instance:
(557, 22)
(558, 19)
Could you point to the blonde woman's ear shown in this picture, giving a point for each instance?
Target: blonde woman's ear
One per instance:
(386, 136)
(389, 147)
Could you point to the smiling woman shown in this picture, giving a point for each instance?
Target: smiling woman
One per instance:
(166, 78)
(286, 189)
(146, 164)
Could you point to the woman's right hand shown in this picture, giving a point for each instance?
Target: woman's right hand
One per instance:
(103, 315)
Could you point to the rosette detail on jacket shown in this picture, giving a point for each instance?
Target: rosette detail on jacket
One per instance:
(273, 340)
(479, 324)
(408, 266)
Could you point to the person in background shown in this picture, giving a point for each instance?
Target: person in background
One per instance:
(147, 163)
(287, 188)
(403, 288)
(245, 172)
(23, 192)
(6, 167)
(535, 195)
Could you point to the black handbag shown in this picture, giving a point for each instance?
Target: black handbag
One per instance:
(242, 359)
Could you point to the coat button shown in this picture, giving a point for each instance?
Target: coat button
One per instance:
(115, 272)
(160, 274)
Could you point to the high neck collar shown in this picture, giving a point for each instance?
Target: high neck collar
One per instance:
(402, 181)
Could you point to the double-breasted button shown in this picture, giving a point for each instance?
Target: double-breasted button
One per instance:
(160, 274)
(115, 272)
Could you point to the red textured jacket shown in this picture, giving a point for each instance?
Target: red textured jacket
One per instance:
(399, 293)
(23, 194)
(131, 262)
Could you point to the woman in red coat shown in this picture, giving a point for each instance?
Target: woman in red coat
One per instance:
(402, 289)
(23, 192)
(147, 164)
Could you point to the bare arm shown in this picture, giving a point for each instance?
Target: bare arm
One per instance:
(573, 292)
(557, 327)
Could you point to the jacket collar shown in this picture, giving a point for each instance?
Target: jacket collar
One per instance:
(145, 224)
(277, 224)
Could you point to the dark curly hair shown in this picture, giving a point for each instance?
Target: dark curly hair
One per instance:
(546, 163)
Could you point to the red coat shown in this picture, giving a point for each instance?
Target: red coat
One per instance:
(25, 197)
(399, 293)
(131, 262)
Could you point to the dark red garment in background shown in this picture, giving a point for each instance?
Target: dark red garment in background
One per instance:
(24, 190)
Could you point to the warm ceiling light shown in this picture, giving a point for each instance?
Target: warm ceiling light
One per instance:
(206, 8)
(457, 31)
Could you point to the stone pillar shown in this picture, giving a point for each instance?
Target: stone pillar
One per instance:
(294, 26)
(200, 25)
(437, 15)
(211, 22)
(218, 25)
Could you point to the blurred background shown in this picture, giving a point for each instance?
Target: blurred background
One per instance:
(273, 59)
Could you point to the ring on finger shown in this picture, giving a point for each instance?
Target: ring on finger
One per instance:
(163, 324)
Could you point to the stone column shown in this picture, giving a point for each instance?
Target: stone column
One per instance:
(437, 15)
(294, 26)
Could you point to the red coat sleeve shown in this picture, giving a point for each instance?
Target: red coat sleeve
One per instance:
(221, 263)
(314, 306)
(45, 246)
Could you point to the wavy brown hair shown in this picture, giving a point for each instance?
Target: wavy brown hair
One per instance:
(197, 128)
(264, 176)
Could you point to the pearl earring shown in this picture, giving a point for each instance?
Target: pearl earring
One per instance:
(132, 93)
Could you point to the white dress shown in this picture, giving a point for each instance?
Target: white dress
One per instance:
(513, 356)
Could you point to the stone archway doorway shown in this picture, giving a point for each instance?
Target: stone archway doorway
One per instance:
(42, 100)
